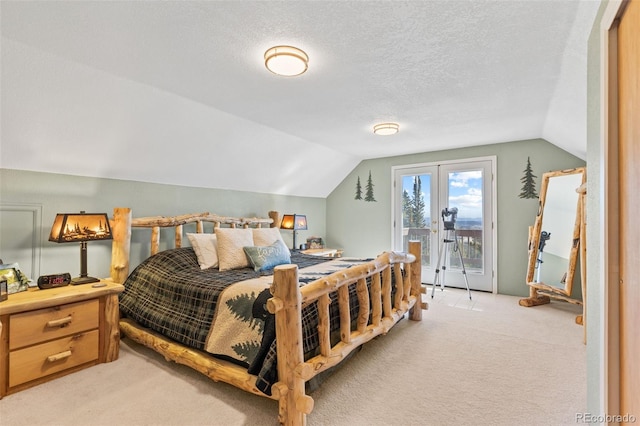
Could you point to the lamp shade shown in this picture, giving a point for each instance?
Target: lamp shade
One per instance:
(287, 61)
(294, 221)
(386, 129)
(78, 227)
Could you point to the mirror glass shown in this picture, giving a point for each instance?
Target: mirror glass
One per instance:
(556, 233)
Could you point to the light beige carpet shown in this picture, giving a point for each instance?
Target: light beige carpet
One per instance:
(486, 362)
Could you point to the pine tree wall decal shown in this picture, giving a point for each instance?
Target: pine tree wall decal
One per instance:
(358, 190)
(369, 195)
(528, 182)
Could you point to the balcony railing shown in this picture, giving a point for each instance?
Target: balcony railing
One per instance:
(469, 242)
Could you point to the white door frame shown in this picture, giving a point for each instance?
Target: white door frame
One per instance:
(494, 205)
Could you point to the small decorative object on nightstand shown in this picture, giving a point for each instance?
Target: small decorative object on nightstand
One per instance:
(315, 243)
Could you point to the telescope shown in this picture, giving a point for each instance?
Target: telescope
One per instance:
(449, 225)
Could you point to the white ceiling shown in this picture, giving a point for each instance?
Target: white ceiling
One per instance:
(451, 73)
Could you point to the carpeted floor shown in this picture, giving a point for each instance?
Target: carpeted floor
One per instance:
(485, 362)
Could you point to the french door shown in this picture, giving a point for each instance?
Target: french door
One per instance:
(422, 193)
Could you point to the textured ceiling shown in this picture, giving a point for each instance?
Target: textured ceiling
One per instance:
(452, 73)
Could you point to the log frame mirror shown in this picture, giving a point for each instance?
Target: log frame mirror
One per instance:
(555, 238)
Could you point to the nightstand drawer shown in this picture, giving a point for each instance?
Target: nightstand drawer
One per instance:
(47, 358)
(33, 327)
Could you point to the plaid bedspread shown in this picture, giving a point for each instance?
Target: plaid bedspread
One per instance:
(171, 295)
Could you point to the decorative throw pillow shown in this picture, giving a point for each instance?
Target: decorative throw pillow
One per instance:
(230, 244)
(267, 236)
(206, 248)
(263, 258)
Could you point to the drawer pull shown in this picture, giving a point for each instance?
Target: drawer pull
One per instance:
(58, 357)
(60, 322)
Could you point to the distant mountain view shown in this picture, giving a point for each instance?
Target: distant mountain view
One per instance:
(464, 223)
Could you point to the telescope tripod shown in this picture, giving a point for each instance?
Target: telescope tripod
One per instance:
(450, 237)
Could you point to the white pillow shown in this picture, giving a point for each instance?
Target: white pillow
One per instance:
(230, 247)
(267, 236)
(206, 248)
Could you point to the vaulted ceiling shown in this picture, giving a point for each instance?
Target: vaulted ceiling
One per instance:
(177, 92)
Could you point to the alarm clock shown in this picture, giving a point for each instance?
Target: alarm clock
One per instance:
(54, 280)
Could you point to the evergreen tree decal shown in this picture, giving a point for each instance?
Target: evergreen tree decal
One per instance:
(369, 195)
(528, 182)
(358, 190)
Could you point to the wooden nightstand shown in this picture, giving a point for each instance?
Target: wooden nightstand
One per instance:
(324, 252)
(45, 334)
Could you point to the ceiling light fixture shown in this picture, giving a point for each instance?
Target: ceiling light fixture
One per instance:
(386, 129)
(288, 61)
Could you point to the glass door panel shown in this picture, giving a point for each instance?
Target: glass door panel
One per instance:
(422, 193)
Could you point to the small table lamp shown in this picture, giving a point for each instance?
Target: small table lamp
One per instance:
(294, 222)
(80, 228)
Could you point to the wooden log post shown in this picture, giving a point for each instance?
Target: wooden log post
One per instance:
(121, 245)
(110, 328)
(399, 296)
(376, 299)
(155, 240)
(386, 293)
(275, 216)
(178, 236)
(324, 325)
(294, 404)
(415, 313)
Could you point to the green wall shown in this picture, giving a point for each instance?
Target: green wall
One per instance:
(362, 228)
(55, 193)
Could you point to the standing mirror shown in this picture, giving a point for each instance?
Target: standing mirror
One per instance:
(555, 238)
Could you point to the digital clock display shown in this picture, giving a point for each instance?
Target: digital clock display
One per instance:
(54, 280)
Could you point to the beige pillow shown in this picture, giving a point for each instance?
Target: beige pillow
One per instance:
(230, 247)
(267, 236)
(206, 248)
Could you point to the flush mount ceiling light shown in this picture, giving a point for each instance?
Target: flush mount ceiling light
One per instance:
(386, 129)
(288, 61)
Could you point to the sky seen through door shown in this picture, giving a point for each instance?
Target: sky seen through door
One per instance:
(465, 193)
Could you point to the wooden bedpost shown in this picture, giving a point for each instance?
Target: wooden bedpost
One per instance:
(120, 248)
(415, 313)
(276, 219)
(286, 304)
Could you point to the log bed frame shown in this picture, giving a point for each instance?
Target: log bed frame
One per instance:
(286, 303)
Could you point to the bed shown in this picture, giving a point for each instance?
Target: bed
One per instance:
(307, 314)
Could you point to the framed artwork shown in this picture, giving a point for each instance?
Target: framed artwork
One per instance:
(16, 280)
(314, 243)
(4, 293)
